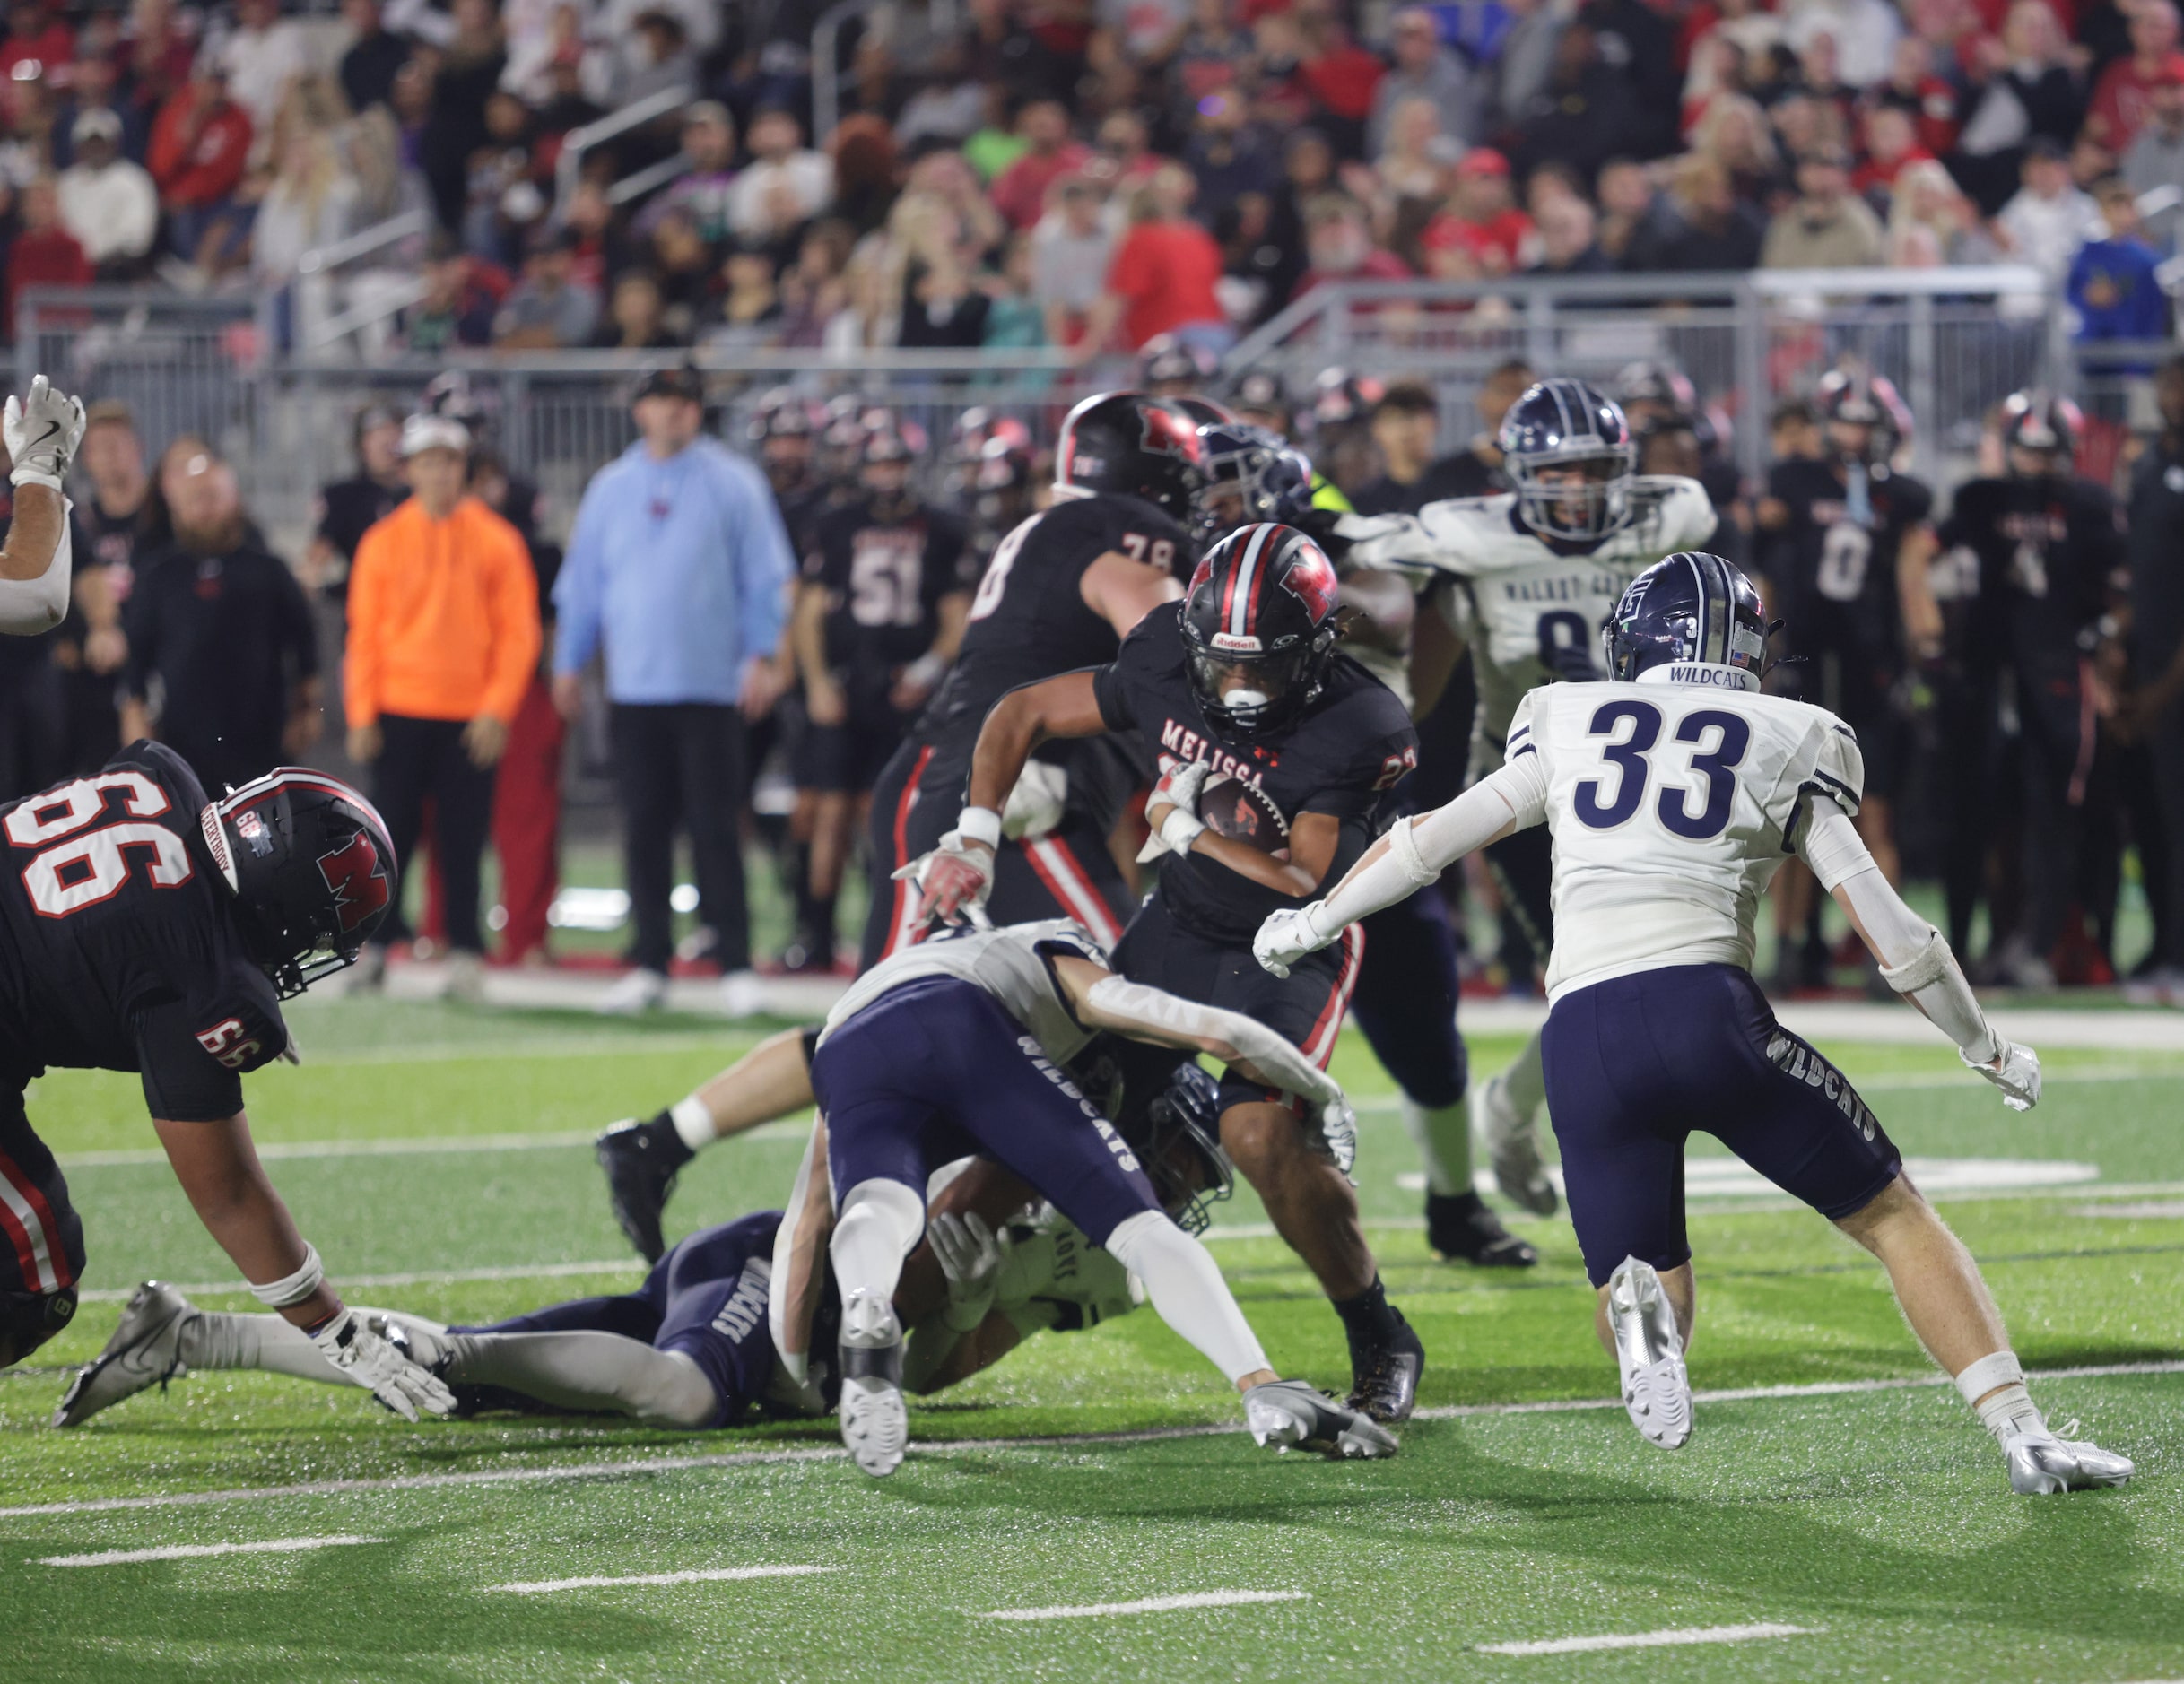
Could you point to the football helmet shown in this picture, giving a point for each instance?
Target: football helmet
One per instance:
(311, 867)
(1660, 386)
(1689, 606)
(1858, 398)
(1262, 396)
(2043, 424)
(1258, 623)
(1251, 474)
(1165, 361)
(1168, 1108)
(1130, 443)
(1559, 425)
(779, 413)
(1343, 399)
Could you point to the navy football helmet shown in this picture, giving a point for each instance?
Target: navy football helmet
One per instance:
(1258, 622)
(1168, 1108)
(1556, 427)
(1251, 474)
(1690, 606)
(1128, 442)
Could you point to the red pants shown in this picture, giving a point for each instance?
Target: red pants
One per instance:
(526, 829)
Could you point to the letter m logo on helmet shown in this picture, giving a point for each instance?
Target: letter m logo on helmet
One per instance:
(359, 881)
(1310, 580)
(1168, 433)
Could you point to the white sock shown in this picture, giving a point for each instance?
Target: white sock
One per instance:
(1186, 1288)
(1524, 1084)
(583, 1370)
(879, 1226)
(215, 1339)
(694, 1121)
(1442, 1134)
(2010, 1409)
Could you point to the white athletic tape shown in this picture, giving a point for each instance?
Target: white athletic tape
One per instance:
(1975, 1381)
(294, 1288)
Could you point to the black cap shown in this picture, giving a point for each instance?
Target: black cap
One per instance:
(2048, 147)
(684, 382)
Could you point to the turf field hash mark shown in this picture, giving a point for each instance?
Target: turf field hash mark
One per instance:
(190, 1553)
(1650, 1639)
(1151, 1605)
(706, 1576)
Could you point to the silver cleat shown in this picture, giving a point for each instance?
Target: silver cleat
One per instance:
(1655, 1386)
(876, 1424)
(1513, 1147)
(145, 1350)
(1285, 1413)
(2044, 1465)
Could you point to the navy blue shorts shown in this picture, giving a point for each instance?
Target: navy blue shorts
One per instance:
(935, 1071)
(1636, 1064)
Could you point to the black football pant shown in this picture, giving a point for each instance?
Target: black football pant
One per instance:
(41, 1239)
(680, 767)
(2055, 716)
(2166, 754)
(421, 758)
(1407, 998)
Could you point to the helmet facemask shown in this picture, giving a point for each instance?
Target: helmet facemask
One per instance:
(1246, 695)
(1591, 502)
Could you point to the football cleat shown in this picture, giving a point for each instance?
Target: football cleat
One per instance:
(145, 1350)
(1459, 1227)
(875, 1425)
(2044, 1465)
(1384, 1377)
(1656, 1387)
(1512, 1146)
(1285, 1413)
(641, 1161)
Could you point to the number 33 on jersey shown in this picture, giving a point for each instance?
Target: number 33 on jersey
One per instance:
(1672, 804)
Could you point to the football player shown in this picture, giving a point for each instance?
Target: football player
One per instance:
(1060, 592)
(41, 431)
(1533, 574)
(878, 617)
(1238, 702)
(960, 1042)
(2035, 548)
(151, 930)
(1672, 793)
(780, 434)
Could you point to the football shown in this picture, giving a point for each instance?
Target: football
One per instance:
(1244, 813)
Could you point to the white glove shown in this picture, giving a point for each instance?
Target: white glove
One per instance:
(349, 1344)
(1036, 805)
(1286, 937)
(1178, 786)
(2016, 1071)
(971, 1255)
(41, 433)
(1337, 1126)
(955, 880)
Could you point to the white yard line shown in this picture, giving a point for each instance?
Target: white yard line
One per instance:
(1650, 1639)
(191, 1552)
(426, 1277)
(708, 1575)
(963, 1446)
(1151, 1605)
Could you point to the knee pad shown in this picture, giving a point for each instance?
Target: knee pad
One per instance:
(29, 1319)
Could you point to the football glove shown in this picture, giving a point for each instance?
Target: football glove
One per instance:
(1179, 788)
(953, 880)
(41, 432)
(1286, 937)
(971, 1255)
(1337, 1126)
(2017, 1072)
(368, 1358)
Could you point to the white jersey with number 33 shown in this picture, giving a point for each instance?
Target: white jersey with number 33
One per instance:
(1671, 801)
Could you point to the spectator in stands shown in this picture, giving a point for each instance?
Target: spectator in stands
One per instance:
(1409, 165)
(2112, 283)
(2047, 218)
(1162, 278)
(706, 190)
(220, 635)
(1735, 133)
(1586, 113)
(1637, 42)
(785, 185)
(1425, 69)
(635, 315)
(549, 309)
(1912, 87)
(2123, 97)
(374, 58)
(1863, 33)
(1228, 155)
(45, 253)
(747, 312)
(1071, 247)
(106, 200)
(94, 648)
(467, 71)
(443, 641)
(1747, 28)
(1714, 230)
(2157, 156)
(1020, 191)
(2021, 89)
(160, 54)
(351, 508)
(1338, 240)
(656, 55)
(1931, 222)
(262, 55)
(310, 202)
(459, 305)
(200, 143)
(1635, 220)
(1483, 222)
(678, 572)
(1827, 226)
(1567, 242)
(1892, 142)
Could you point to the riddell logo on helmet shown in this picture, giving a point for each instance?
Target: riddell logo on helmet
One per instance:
(1228, 642)
(359, 881)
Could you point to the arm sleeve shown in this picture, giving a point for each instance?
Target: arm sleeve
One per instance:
(576, 593)
(515, 627)
(1420, 849)
(31, 607)
(1167, 1016)
(361, 658)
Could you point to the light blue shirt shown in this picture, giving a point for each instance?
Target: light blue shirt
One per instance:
(679, 570)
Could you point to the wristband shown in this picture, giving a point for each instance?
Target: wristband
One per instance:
(980, 824)
(292, 1289)
(1180, 829)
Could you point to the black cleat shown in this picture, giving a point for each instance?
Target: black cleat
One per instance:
(641, 1161)
(1384, 1375)
(1460, 1229)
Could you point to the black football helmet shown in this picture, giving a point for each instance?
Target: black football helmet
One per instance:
(779, 413)
(1251, 474)
(1261, 396)
(2042, 424)
(1856, 397)
(1133, 444)
(1165, 361)
(311, 867)
(1561, 424)
(1343, 399)
(1259, 621)
(1168, 1108)
(1690, 606)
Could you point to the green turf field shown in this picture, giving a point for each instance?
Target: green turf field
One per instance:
(436, 1156)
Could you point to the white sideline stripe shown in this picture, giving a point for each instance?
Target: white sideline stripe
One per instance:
(1650, 1639)
(1152, 1605)
(539, 1587)
(959, 1446)
(425, 1278)
(190, 1553)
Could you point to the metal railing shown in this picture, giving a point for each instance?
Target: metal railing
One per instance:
(569, 167)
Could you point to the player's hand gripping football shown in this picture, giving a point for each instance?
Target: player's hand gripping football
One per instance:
(953, 880)
(349, 1345)
(41, 432)
(2016, 1071)
(1173, 810)
(1286, 937)
(971, 1255)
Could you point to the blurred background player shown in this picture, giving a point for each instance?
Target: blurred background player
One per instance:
(880, 613)
(349, 508)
